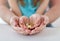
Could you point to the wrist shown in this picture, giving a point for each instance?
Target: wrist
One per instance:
(47, 18)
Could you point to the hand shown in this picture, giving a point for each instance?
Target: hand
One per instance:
(18, 24)
(40, 22)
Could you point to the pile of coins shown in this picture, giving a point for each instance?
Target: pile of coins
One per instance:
(29, 25)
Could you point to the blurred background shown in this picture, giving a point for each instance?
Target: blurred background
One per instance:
(55, 23)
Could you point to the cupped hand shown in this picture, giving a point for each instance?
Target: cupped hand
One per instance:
(18, 24)
(39, 21)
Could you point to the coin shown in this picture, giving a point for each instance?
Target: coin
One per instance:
(28, 25)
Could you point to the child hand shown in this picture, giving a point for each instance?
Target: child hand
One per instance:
(18, 25)
(35, 19)
(40, 22)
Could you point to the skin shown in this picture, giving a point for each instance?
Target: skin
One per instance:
(11, 15)
(14, 6)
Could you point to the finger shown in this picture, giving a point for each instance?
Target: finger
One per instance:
(19, 30)
(21, 23)
(23, 31)
(14, 22)
(27, 31)
(41, 27)
(38, 29)
(39, 22)
(42, 20)
(35, 31)
(32, 32)
(25, 19)
(35, 20)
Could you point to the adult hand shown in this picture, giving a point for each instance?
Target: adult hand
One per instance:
(18, 24)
